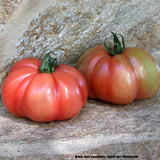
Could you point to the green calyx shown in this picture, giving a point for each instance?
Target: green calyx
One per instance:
(48, 64)
(118, 46)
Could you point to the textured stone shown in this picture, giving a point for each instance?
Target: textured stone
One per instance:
(68, 28)
(101, 129)
(7, 7)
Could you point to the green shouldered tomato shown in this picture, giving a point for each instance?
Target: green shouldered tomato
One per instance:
(119, 75)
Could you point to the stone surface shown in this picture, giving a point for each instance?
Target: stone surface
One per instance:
(68, 28)
(7, 7)
(100, 129)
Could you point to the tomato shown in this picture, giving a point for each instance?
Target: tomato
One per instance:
(44, 91)
(118, 74)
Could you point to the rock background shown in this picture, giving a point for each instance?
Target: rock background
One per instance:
(68, 28)
(33, 28)
(7, 7)
(100, 129)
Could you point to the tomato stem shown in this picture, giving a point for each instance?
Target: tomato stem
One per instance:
(48, 64)
(118, 48)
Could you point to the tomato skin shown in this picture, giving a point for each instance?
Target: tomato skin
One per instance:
(44, 97)
(122, 78)
(147, 72)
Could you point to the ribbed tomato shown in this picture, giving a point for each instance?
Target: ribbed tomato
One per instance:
(118, 74)
(44, 92)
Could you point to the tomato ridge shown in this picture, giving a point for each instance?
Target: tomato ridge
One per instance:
(133, 72)
(92, 77)
(83, 96)
(57, 90)
(22, 114)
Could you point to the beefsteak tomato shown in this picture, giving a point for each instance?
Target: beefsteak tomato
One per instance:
(44, 91)
(119, 75)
